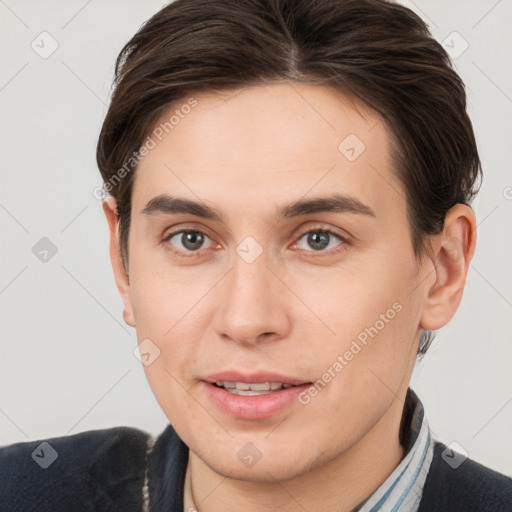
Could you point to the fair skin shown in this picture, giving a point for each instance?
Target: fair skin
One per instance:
(294, 309)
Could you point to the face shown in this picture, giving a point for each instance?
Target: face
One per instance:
(294, 266)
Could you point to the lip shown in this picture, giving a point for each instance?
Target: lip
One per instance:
(253, 378)
(253, 407)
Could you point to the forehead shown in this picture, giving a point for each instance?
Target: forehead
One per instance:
(264, 145)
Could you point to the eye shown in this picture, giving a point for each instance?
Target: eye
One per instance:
(320, 240)
(188, 240)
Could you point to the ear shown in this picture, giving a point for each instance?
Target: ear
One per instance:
(453, 250)
(120, 274)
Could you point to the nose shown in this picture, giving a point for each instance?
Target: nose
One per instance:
(252, 308)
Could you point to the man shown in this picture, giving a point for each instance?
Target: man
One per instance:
(288, 201)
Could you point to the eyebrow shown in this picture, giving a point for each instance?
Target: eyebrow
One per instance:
(336, 203)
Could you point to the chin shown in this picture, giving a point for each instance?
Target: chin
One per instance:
(262, 472)
(270, 462)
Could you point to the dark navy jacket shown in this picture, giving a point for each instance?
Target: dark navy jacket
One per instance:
(105, 470)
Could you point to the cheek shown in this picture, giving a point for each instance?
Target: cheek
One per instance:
(163, 298)
(173, 321)
(367, 317)
(345, 303)
(170, 310)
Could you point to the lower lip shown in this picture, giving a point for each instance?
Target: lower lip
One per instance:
(255, 407)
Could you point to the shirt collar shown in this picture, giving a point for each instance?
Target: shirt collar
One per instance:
(403, 489)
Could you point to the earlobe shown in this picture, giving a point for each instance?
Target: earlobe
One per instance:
(120, 274)
(453, 251)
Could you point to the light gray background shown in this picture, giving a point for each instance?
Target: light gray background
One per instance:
(67, 362)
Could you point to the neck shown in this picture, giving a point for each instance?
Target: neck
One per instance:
(340, 484)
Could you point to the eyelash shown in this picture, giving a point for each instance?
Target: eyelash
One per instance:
(341, 247)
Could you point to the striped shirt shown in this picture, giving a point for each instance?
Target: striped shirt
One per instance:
(402, 490)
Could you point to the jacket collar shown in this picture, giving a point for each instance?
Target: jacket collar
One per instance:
(166, 467)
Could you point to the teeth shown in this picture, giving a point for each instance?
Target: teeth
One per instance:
(246, 389)
(261, 386)
(248, 392)
(226, 384)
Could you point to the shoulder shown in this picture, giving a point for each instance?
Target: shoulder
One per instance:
(470, 486)
(90, 471)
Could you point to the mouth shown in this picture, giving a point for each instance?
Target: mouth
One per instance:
(254, 389)
(253, 396)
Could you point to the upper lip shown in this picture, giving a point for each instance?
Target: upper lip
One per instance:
(253, 378)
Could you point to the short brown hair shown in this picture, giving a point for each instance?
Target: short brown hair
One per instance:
(377, 51)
